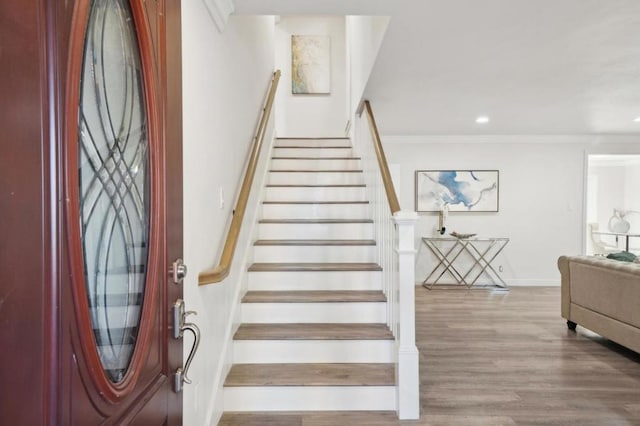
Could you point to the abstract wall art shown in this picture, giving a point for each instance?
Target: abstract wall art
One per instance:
(310, 64)
(460, 190)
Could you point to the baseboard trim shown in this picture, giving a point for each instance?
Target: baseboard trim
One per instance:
(533, 283)
(515, 283)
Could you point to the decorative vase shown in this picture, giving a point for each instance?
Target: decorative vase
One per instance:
(617, 223)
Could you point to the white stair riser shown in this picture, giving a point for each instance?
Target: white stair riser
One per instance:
(332, 280)
(304, 164)
(314, 254)
(308, 351)
(313, 142)
(315, 194)
(315, 231)
(310, 398)
(313, 152)
(315, 211)
(316, 178)
(335, 313)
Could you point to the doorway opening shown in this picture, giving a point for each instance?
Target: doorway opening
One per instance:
(612, 204)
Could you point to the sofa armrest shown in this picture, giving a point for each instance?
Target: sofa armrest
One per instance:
(594, 276)
(565, 287)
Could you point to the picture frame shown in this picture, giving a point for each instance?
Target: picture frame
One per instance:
(461, 190)
(310, 65)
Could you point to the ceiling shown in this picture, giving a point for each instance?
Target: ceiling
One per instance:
(315, 7)
(531, 66)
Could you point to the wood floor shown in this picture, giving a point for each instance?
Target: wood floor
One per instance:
(502, 359)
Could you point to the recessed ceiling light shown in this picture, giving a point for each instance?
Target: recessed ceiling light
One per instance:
(483, 119)
(636, 120)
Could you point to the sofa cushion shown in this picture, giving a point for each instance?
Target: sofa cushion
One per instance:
(609, 287)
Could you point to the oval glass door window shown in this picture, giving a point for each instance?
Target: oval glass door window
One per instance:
(114, 182)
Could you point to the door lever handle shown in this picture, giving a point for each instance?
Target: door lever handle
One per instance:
(193, 328)
(179, 327)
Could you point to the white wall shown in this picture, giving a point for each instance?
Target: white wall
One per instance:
(541, 194)
(312, 115)
(225, 78)
(364, 37)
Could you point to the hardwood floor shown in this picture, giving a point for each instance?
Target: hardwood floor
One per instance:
(502, 359)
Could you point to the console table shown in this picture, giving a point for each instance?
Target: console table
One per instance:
(477, 252)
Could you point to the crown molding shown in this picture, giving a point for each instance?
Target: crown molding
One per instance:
(509, 139)
(219, 10)
(608, 160)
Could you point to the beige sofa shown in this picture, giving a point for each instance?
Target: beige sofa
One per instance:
(602, 295)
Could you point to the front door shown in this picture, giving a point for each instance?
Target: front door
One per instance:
(122, 215)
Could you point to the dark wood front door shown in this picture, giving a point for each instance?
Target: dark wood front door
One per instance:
(94, 184)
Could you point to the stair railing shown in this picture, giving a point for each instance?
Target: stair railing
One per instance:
(220, 272)
(394, 229)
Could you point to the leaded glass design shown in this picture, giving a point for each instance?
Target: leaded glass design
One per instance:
(114, 182)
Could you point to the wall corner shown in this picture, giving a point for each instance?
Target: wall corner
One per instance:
(220, 11)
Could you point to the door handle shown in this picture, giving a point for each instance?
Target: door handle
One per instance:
(179, 327)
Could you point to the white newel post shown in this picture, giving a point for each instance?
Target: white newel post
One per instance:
(408, 378)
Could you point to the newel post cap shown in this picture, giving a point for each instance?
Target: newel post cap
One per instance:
(405, 217)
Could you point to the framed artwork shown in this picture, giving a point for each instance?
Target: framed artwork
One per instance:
(460, 190)
(310, 64)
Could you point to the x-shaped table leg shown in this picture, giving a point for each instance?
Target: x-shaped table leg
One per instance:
(445, 263)
(481, 260)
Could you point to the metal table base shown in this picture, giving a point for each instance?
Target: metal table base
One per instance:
(451, 251)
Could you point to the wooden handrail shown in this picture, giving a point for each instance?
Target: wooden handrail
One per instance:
(394, 205)
(220, 272)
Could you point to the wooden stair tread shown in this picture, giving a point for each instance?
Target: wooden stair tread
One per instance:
(318, 186)
(311, 147)
(315, 158)
(309, 138)
(315, 202)
(311, 221)
(311, 267)
(314, 296)
(298, 418)
(315, 243)
(313, 171)
(336, 374)
(313, 331)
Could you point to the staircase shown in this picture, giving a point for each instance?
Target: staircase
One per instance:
(314, 332)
